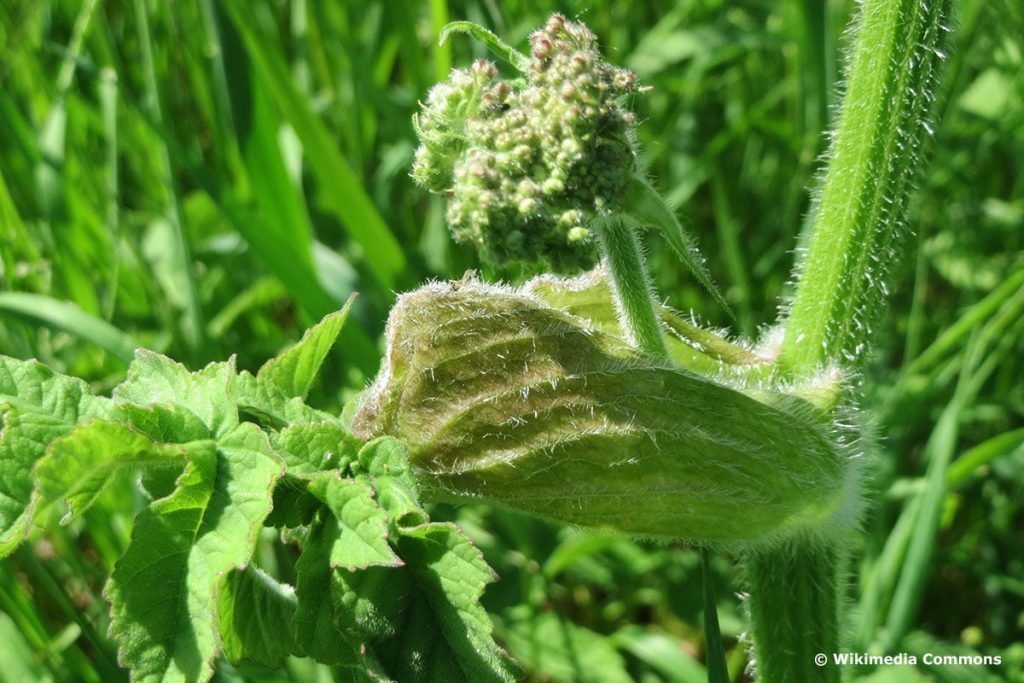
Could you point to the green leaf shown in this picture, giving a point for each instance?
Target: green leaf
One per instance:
(292, 372)
(294, 505)
(559, 649)
(37, 405)
(495, 44)
(447, 635)
(647, 209)
(370, 603)
(271, 408)
(153, 378)
(359, 526)
(163, 589)
(386, 464)
(78, 466)
(314, 622)
(309, 449)
(253, 613)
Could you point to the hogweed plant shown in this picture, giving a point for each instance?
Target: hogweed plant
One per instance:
(575, 397)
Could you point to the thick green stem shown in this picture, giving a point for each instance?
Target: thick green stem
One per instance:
(794, 605)
(859, 210)
(632, 286)
(795, 589)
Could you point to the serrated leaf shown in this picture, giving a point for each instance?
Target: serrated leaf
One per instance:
(207, 393)
(399, 501)
(359, 526)
(37, 405)
(271, 408)
(162, 590)
(292, 372)
(309, 449)
(254, 611)
(165, 424)
(447, 635)
(385, 463)
(556, 648)
(78, 466)
(385, 457)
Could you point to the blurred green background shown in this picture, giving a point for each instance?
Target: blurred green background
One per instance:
(207, 178)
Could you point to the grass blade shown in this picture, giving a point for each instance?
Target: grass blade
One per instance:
(67, 317)
(341, 189)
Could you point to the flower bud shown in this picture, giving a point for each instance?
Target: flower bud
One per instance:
(500, 397)
(564, 129)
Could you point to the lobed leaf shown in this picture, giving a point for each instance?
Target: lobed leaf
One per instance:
(314, 621)
(78, 466)
(153, 378)
(310, 449)
(271, 408)
(447, 633)
(359, 527)
(163, 589)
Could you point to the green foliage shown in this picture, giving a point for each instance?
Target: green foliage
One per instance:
(186, 589)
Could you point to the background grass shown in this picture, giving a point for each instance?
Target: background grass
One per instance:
(207, 178)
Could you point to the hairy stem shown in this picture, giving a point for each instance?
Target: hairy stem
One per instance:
(795, 588)
(639, 319)
(859, 209)
(632, 287)
(794, 605)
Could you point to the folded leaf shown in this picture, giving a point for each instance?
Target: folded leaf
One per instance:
(500, 397)
(359, 527)
(447, 633)
(78, 466)
(163, 589)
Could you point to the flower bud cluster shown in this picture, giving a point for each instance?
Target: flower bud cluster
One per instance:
(527, 165)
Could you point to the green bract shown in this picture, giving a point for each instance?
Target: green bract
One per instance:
(526, 164)
(501, 397)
